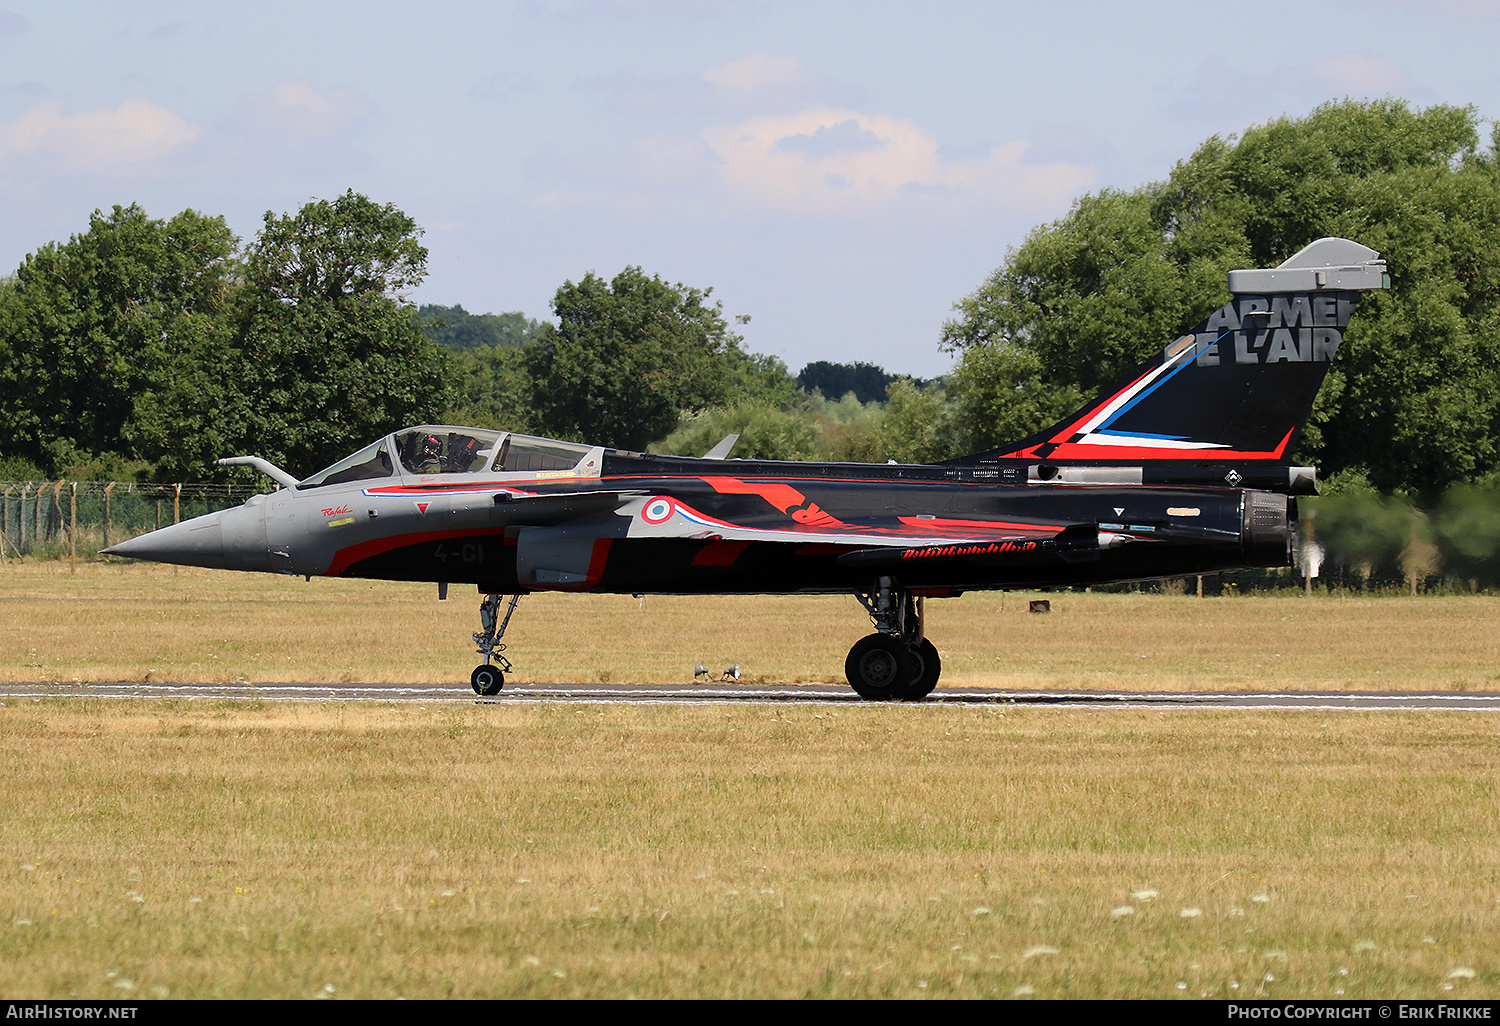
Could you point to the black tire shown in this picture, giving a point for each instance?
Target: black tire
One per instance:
(880, 667)
(487, 680)
(926, 680)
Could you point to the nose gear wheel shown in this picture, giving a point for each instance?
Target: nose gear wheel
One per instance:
(487, 680)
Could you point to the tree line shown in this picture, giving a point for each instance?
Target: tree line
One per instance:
(145, 349)
(1412, 402)
(1368, 540)
(148, 348)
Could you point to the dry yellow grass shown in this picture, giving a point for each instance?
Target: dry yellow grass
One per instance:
(206, 849)
(137, 622)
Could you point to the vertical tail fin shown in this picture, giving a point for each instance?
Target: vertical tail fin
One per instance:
(1238, 387)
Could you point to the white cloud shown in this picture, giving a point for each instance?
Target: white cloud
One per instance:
(759, 71)
(1358, 74)
(300, 107)
(758, 82)
(109, 140)
(671, 161)
(675, 164)
(832, 161)
(785, 138)
(295, 128)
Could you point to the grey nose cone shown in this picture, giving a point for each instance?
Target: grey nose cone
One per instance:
(232, 539)
(196, 542)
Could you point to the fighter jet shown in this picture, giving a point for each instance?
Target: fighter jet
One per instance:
(1180, 469)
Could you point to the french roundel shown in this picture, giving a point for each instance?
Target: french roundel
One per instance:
(657, 511)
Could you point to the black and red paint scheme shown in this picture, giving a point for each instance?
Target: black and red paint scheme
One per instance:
(1181, 469)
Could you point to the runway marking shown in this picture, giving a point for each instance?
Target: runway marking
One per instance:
(819, 694)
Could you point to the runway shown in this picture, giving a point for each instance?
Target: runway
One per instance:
(766, 694)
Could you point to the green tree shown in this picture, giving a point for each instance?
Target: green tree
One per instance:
(453, 327)
(326, 353)
(766, 433)
(627, 358)
(91, 327)
(1467, 528)
(848, 430)
(835, 380)
(758, 378)
(1414, 397)
(1080, 297)
(1000, 394)
(917, 426)
(491, 389)
(199, 412)
(1364, 531)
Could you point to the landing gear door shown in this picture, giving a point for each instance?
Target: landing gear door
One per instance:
(567, 558)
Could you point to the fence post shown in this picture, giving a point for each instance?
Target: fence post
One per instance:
(39, 536)
(73, 527)
(107, 489)
(21, 516)
(5, 523)
(177, 503)
(57, 507)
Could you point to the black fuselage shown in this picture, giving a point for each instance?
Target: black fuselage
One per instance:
(776, 528)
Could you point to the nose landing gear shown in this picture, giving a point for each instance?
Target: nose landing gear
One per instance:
(487, 680)
(896, 662)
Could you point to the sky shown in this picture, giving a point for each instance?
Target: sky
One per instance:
(843, 173)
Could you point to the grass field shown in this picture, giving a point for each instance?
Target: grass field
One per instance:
(205, 849)
(216, 849)
(123, 622)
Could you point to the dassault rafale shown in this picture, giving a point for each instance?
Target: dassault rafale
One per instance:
(1181, 469)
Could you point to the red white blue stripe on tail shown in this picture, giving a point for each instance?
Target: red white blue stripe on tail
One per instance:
(1237, 388)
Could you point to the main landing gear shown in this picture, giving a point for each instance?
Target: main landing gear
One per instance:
(897, 661)
(487, 680)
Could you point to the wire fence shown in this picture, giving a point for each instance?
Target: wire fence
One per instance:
(75, 519)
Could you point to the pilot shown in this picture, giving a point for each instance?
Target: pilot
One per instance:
(462, 452)
(430, 459)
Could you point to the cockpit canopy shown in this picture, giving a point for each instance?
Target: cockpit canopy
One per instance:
(438, 449)
(443, 450)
